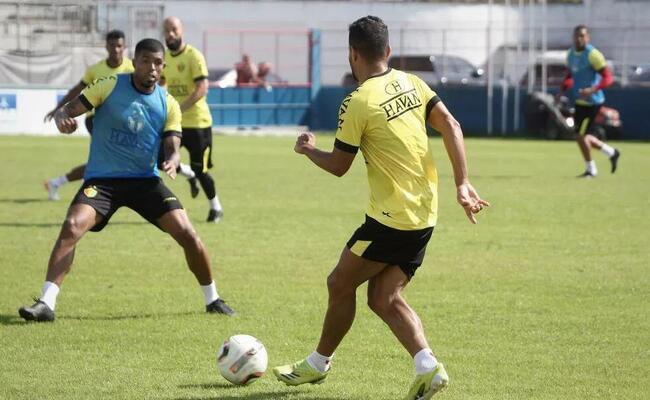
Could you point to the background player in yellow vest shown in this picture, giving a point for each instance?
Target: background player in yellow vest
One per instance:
(386, 118)
(116, 63)
(186, 78)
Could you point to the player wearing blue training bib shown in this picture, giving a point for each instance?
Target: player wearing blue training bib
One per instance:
(133, 118)
(587, 76)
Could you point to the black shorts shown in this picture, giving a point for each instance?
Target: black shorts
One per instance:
(377, 242)
(89, 124)
(149, 197)
(584, 118)
(198, 142)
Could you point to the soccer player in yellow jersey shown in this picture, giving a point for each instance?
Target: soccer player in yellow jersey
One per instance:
(186, 77)
(116, 63)
(386, 118)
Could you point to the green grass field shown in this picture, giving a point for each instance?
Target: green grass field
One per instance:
(547, 298)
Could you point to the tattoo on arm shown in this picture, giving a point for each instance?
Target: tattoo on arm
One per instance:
(74, 108)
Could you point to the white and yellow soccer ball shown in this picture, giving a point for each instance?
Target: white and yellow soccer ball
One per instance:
(242, 359)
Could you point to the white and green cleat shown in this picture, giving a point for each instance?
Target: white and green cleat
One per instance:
(426, 385)
(299, 373)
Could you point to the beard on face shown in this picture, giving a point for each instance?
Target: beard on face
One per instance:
(173, 44)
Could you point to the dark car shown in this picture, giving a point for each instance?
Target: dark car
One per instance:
(435, 70)
(439, 69)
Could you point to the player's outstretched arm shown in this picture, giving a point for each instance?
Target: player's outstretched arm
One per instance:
(336, 162)
(171, 144)
(72, 93)
(442, 121)
(65, 116)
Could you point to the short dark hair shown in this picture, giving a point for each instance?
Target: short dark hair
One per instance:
(580, 27)
(114, 34)
(369, 36)
(150, 45)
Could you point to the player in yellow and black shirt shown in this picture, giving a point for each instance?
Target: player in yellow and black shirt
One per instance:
(116, 63)
(386, 119)
(186, 77)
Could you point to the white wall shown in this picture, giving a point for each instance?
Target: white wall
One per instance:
(615, 22)
(22, 111)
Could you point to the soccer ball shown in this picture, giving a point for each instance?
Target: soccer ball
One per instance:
(242, 359)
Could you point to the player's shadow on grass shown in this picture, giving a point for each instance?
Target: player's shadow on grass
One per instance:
(24, 201)
(58, 224)
(283, 394)
(130, 316)
(13, 319)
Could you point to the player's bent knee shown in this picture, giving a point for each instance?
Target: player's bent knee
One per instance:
(337, 286)
(186, 236)
(72, 228)
(380, 303)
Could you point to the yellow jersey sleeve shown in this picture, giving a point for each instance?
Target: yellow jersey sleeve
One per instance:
(174, 116)
(98, 91)
(428, 96)
(89, 76)
(198, 66)
(352, 123)
(597, 59)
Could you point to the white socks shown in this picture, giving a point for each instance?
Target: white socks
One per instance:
(215, 204)
(591, 167)
(58, 181)
(210, 293)
(608, 150)
(425, 361)
(50, 291)
(186, 171)
(319, 362)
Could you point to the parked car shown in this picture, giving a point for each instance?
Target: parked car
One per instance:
(439, 69)
(639, 75)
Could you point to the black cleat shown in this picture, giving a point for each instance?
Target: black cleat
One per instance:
(586, 174)
(194, 188)
(614, 160)
(219, 307)
(215, 216)
(39, 312)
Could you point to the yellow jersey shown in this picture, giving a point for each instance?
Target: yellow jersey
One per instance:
(386, 118)
(181, 73)
(102, 69)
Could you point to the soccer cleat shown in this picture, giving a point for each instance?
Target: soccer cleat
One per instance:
(586, 174)
(299, 373)
(194, 188)
(614, 160)
(219, 307)
(426, 385)
(39, 312)
(52, 190)
(215, 216)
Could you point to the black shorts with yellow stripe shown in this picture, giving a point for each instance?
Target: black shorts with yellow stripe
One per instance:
(149, 197)
(377, 242)
(584, 117)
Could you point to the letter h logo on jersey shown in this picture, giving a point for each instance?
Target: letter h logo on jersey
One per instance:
(393, 87)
